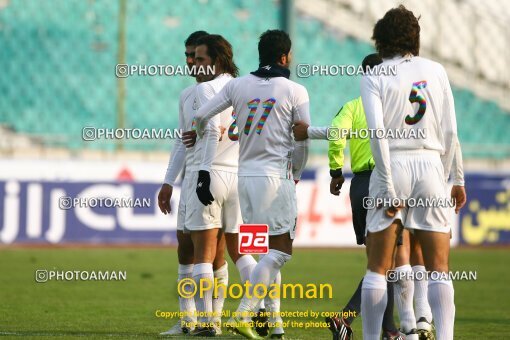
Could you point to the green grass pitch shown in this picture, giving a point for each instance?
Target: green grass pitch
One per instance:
(126, 309)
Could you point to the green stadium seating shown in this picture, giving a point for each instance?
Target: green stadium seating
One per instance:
(58, 68)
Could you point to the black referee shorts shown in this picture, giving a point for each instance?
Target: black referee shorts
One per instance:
(359, 190)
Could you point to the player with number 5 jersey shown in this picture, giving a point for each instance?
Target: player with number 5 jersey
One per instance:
(267, 104)
(419, 96)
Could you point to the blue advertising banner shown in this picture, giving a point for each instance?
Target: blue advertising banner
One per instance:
(485, 220)
(126, 212)
(84, 212)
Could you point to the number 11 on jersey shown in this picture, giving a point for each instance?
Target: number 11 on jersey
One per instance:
(253, 105)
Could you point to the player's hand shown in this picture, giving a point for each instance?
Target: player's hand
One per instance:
(459, 194)
(222, 131)
(164, 196)
(203, 187)
(189, 138)
(392, 211)
(336, 185)
(300, 130)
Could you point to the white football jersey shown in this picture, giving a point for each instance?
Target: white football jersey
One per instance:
(186, 114)
(266, 109)
(179, 155)
(417, 97)
(226, 154)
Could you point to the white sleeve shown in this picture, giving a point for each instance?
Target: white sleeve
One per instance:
(317, 132)
(449, 129)
(217, 104)
(457, 167)
(178, 156)
(372, 104)
(300, 111)
(211, 134)
(176, 162)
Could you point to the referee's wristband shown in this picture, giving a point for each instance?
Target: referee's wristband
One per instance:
(335, 173)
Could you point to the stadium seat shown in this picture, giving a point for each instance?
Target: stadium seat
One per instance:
(59, 67)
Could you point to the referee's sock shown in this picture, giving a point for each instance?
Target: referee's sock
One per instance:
(353, 307)
(388, 323)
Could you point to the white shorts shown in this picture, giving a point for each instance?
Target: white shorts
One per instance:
(181, 210)
(271, 201)
(415, 175)
(224, 212)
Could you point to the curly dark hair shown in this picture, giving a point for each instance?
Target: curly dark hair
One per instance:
(397, 33)
(371, 60)
(220, 50)
(193, 37)
(272, 45)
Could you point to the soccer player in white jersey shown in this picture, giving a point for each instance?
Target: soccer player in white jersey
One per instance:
(417, 97)
(270, 163)
(212, 207)
(422, 310)
(176, 163)
(350, 122)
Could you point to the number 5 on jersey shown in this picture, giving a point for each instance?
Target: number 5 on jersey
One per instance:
(414, 97)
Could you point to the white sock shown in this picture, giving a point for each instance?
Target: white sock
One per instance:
(203, 271)
(221, 278)
(443, 307)
(264, 273)
(186, 305)
(421, 302)
(404, 292)
(273, 306)
(261, 304)
(373, 303)
(245, 265)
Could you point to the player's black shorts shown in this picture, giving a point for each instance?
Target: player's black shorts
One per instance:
(359, 190)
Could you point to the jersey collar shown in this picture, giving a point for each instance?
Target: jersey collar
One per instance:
(272, 70)
(398, 59)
